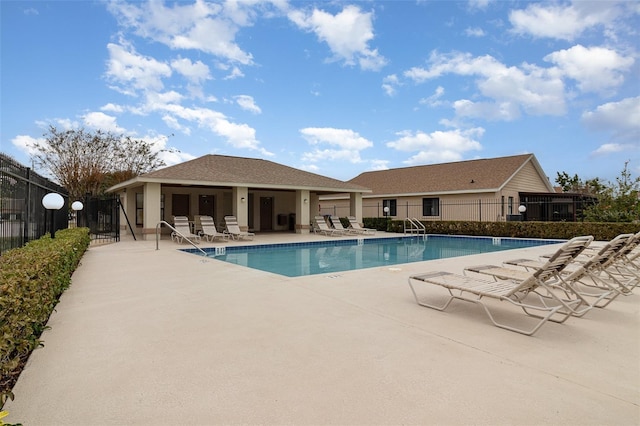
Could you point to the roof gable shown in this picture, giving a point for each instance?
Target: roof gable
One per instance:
(464, 176)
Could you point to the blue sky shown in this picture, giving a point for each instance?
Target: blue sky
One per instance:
(335, 88)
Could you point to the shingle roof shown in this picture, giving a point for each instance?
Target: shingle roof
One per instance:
(225, 170)
(462, 176)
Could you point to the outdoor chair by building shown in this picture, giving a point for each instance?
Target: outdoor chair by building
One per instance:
(320, 227)
(183, 230)
(208, 229)
(233, 229)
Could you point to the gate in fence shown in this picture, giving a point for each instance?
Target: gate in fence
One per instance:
(102, 216)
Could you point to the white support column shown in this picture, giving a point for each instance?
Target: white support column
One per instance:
(240, 199)
(355, 205)
(151, 196)
(303, 207)
(314, 205)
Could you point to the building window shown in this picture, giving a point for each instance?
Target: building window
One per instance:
(431, 207)
(139, 209)
(391, 204)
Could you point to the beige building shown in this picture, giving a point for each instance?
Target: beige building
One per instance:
(263, 195)
(484, 189)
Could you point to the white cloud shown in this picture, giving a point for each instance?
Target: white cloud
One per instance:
(247, 103)
(348, 142)
(474, 32)
(110, 107)
(240, 136)
(235, 73)
(597, 69)
(495, 111)
(565, 21)
(132, 72)
(170, 156)
(438, 146)
(194, 72)
(173, 123)
(433, 100)
(204, 26)
(344, 138)
(609, 148)
(101, 121)
(389, 84)
(621, 119)
(379, 165)
(534, 90)
(26, 143)
(479, 4)
(347, 34)
(319, 155)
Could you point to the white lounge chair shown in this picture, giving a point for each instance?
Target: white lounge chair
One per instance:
(577, 280)
(183, 230)
(355, 225)
(601, 271)
(233, 229)
(209, 231)
(515, 292)
(320, 226)
(337, 225)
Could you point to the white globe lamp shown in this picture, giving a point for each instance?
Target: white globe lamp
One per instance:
(51, 202)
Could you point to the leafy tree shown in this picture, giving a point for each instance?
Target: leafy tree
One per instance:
(576, 185)
(85, 162)
(617, 202)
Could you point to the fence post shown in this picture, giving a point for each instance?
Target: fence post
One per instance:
(480, 208)
(27, 215)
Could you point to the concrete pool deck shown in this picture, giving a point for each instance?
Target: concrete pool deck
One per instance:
(165, 337)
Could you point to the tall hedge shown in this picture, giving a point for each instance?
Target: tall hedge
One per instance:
(32, 278)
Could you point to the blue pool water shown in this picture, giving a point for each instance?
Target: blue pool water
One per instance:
(300, 259)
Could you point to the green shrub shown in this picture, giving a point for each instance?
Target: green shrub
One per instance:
(379, 223)
(32, 278)
(548, 230)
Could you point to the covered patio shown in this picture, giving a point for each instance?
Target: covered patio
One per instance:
(263, 195)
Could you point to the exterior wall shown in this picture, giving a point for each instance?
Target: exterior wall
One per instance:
(526, 180)
(487, 207)
(483, 206)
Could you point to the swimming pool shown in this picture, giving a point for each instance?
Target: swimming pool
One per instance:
(310, 258)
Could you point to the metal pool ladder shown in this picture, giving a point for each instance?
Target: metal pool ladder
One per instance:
(414, 226)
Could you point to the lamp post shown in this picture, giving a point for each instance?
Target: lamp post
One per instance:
(76, 206)
(522, 209)
(386, 211)
(51, 202)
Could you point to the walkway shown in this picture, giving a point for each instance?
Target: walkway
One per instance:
(146, 337)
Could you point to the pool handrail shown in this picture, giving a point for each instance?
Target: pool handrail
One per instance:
(162, 222)
(415, 226)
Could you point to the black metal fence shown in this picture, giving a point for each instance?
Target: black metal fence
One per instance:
(102, 216)
(22, 216)
(482, 210)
